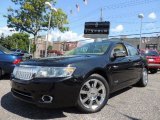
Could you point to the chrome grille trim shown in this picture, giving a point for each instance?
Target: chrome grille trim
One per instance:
(25, 72)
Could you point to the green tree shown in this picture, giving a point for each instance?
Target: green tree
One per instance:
(49, 47)
(32, 16)
(17, 40)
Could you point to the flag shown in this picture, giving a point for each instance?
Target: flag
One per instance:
(71, 12)
(78, 8)
(85, 2)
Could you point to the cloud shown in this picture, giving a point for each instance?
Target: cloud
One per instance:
(152, 16)
(66, 36)
(6, 31)
(118, 28)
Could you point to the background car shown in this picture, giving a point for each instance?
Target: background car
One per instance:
(23, 53)
(26, 54)
(8, 60)
(54, 53)
(153, 59)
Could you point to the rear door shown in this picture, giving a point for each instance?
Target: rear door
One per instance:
(136, 62)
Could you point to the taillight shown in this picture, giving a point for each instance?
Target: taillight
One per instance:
(17, 61)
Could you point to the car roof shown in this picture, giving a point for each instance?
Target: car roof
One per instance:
(150, 50)
(115, 41)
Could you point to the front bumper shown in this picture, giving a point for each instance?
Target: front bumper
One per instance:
(64, 91)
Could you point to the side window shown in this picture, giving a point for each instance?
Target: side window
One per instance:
(118, 47)
(133, 51)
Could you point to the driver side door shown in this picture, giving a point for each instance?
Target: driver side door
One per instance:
(120, 67)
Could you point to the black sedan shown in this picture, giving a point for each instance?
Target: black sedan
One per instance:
(84, 77)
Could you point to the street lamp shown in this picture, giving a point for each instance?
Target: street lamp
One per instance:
(141, 16)
(49, 23)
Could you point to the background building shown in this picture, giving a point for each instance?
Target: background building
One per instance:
(147, 42)
(40, 46)
(55, 45)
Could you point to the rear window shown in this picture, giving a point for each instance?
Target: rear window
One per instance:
(151, 53)
(5, 50)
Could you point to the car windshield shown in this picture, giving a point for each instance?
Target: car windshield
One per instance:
(96, 48)
(5, 50)
(151, 53)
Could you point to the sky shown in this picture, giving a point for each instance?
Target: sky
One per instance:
(122, 14)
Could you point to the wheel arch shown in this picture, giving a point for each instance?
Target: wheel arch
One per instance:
(101, 72)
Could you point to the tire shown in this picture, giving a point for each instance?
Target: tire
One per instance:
(144, 79)
(93, 94)
(153, 71)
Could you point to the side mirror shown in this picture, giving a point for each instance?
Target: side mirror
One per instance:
(119, 54)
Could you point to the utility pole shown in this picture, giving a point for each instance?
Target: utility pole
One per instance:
(29, 48)
(101, 17)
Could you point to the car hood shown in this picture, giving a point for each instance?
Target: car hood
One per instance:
(59, 60)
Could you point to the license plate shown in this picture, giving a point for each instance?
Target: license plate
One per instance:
(151, 60)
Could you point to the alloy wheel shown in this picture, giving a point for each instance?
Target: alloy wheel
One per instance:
(92, 94)
(145, 76)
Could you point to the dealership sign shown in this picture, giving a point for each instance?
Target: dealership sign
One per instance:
(96, 29)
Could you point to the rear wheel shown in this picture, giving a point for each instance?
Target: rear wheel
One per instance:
(153, 70)
(93, 95)
(144, 79)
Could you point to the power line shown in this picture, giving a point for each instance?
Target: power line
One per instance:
(129, 4)
(144, 29)
(124, 15)
(135, 34)
(117, 6)
(133, 22)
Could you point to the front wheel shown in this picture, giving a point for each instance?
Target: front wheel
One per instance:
(93, 95)
(144, 79)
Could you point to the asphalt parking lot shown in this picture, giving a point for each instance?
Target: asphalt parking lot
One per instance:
(132, 103)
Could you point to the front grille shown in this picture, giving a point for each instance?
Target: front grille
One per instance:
(25, 72)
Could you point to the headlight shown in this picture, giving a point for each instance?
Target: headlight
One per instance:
(55, 72)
